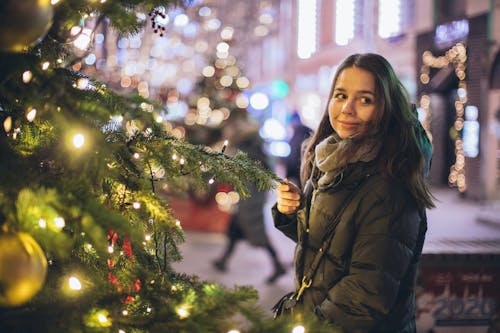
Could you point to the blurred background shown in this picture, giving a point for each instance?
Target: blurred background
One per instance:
(275, 59)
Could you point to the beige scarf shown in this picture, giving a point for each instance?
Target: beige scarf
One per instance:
(331, 155)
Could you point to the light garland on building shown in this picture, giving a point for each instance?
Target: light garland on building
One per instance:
(457, 56)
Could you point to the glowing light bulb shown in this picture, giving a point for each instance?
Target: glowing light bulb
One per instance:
(7, 124)
(111, 249)
(74, 283)
(102, 318)
(233, 331)
(174, 157)
(42, 223)
(211, 181)
(178, 223)
(182, 312)
(299, 329)
(78, 140)
(45, 65)
(182, 161)
(59, 221)
(136, 205)
(30, 116)
(27, 75)
(147, 237)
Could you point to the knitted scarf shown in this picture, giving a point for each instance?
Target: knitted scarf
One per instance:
(333, 154)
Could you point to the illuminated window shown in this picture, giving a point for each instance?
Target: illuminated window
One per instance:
(307, 28)
(344, 21)
(389, 18)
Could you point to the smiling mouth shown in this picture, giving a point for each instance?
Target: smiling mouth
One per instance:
(348, 125)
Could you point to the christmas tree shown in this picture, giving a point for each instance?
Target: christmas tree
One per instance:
(86, 239)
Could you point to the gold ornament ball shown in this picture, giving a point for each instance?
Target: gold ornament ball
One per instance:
(23, 268)
(23, 23)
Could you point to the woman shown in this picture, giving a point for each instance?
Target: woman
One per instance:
(365, 195)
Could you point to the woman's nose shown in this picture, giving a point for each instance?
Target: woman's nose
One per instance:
(348, 107)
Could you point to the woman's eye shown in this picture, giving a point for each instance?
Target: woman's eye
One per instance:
(366, 100)
(339, 96)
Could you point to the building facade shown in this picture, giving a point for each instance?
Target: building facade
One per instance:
(442, 50)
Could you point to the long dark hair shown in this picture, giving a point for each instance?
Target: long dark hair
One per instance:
(403, 154)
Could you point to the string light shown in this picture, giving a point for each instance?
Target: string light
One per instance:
(45, 65)
(136, 205)
(78, 140)
(59, 221)
(7, 124)
(30, 116)
(182, 312)
(74, 283)
(299, 329)
(42, 223)
(224, 146)
(27, 75)
(457, 56)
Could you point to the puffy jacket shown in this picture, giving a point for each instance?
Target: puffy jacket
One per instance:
(365, 280)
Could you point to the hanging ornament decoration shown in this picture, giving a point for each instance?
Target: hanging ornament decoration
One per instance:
(159, 19)
(23, 267)
(23, 24)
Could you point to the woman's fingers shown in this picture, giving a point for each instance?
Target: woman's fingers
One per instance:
(288, 198)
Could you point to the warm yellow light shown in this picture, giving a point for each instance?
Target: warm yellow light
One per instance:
(111, 249)
(59, 221)
(42, 223)
(136, 205)
(136, 155)
(30, 116)
(7, 124)
(211, 181)
(299, 329)
(178, 224)
(27, 75)
(78, 140)
(233, 331)
(74, 283)
(45, 65)
(182, 312)
(102, 318)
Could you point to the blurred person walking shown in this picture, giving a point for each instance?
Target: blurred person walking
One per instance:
(247, 221)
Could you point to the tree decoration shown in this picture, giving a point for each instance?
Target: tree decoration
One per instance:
(159, 19)
(23, 268)
(23, 24)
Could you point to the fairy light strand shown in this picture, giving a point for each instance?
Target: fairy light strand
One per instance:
(457, 56)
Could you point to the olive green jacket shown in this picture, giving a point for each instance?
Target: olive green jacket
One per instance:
(365, 281)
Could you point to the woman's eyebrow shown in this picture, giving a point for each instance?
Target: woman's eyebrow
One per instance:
(340, 89)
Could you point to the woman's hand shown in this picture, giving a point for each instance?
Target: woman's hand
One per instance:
(288, 197)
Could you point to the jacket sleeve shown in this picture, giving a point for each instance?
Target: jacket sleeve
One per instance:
(287, 224)
(381, 254)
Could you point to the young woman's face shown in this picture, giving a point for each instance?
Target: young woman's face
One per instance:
(353, 102)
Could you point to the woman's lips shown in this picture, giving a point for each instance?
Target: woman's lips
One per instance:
(347, 124)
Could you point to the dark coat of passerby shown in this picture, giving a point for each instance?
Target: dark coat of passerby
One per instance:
(247, 221)
(292, 161)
